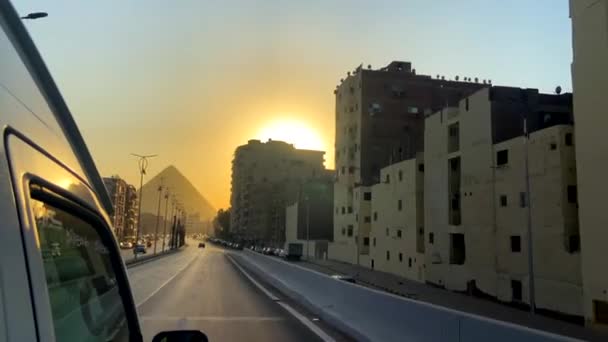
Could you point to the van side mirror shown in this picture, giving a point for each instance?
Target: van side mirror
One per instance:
(180, 336)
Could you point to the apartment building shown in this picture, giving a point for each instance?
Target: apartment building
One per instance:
(266, 177)
(117, 190)
(476, 203)
(590, 84)
(397, 222)
(380, 121)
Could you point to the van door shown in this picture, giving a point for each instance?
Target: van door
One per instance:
(78, 280)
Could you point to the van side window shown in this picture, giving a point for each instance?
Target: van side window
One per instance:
(83, 290)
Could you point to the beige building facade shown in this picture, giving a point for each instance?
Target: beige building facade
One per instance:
(476, 204)
(397, 220)
(590, 85)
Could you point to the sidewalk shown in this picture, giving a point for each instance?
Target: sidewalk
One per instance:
(418, 291)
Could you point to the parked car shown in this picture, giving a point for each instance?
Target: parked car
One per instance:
(126, 244)
(201, 245)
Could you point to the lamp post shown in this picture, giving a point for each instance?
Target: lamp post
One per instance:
(160, 191)
(143, 165)
(165, 217)
(531, 285)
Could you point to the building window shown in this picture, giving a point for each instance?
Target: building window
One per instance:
(400, 175)
(568, 139)
(374, 242)
(421, 167)
(515, 244)
(375, 216)
(388, 179)
(365, 241)
(366, 219)
(409, 262)
(466, 104)
(503, 200)
(351, 170)
(400, 257)
(553, 146)
(572, 198)
(574, 243)
(600, 311)
(502, 157)
(522, 200)
(399, 233)
(516, 290)
(399, 205)
(431, 238)
(367, 196)
(343, 210)
(350, 210)
(350, 230)
(387, 231)
(412, 110)
(388, 255)
(343, 231)
(457, 249)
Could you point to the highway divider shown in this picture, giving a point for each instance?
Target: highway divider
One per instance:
(145, 259)
(371, 315)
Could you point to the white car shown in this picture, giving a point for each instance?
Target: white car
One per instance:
(54, 206)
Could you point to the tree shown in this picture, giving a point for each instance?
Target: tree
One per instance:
(221, 224)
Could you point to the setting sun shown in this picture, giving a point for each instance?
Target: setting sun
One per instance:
(294, 132)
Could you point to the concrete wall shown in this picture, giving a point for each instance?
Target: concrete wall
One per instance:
(395, 230)
(590, 84)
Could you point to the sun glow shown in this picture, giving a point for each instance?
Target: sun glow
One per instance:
(294, 132)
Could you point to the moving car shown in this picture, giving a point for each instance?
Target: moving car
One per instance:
(55, 214)
(126, 244)
(139, 248)
(345, 278)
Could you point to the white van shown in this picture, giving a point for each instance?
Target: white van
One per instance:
(61, 274)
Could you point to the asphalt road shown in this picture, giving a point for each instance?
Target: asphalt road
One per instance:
(201, 289)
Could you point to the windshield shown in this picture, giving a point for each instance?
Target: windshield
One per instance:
(335, 170)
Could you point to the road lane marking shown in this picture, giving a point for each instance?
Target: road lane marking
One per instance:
(167, 281)
(309, 324)
(213, 318)
(255, 282)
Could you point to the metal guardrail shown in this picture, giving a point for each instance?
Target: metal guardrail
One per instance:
(143, 260)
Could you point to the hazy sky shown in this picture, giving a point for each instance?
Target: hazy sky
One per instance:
(192, 79)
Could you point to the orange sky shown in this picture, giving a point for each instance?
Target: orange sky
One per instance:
(191, 80)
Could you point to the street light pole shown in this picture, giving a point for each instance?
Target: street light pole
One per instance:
(531, 286)
(160, 192)
(143, 165)
(165, 217)
(307, 227)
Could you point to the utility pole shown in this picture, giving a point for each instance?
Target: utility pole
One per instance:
(307, 227)
(165, 217)
(143, 165)
(531, 286)
(160, 191)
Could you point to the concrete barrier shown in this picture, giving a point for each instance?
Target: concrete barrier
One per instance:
(145, 259)
(370, 315)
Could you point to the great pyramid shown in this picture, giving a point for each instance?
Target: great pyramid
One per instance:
(179, 185)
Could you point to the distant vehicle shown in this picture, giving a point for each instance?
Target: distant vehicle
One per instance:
(201, 245)
(294, 251)
(345, 278)
(140, 248)
(282, 253)
(126, 244)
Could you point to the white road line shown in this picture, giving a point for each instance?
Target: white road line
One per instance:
(167, 281)
(213, 318)
(309, 324)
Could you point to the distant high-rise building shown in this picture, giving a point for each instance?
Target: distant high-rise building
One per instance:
(380, 121)
(124, 200)
(265, 178)
(590, 86)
